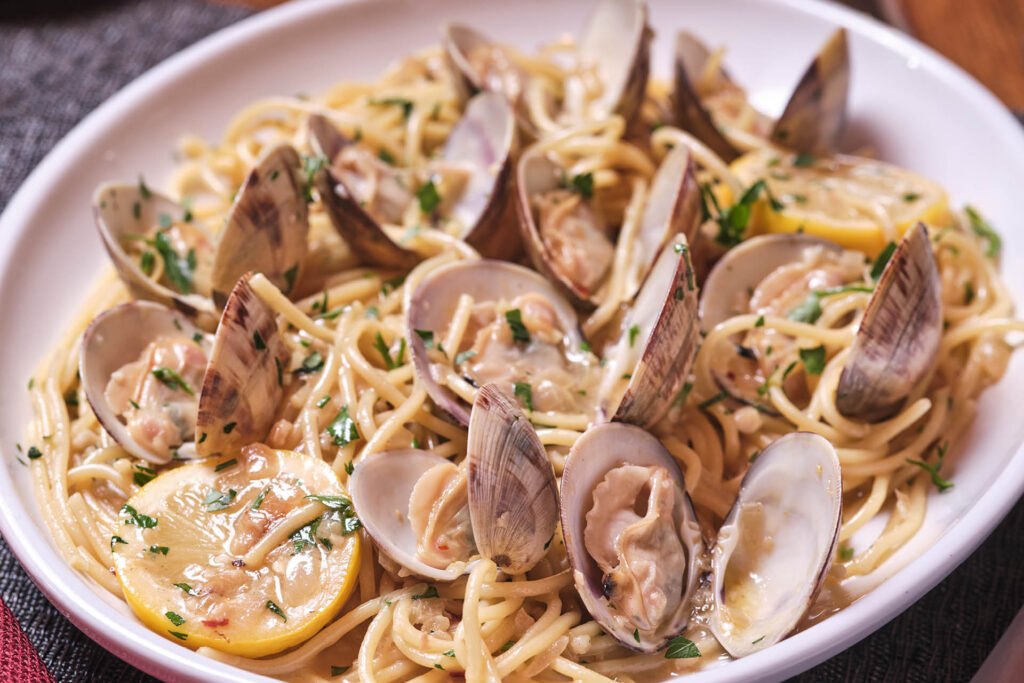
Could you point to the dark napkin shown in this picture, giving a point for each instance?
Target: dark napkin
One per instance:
(57, 65)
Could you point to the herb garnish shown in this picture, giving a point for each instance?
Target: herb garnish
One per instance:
(343, 428)
(428, 197)
(984, 229)
(814, 359)
(634, 330)
(933, 470)
(143, 475)
(427, 336)
(732, 222)
(138, 519)
(272, 606)
(681, 647)
(178, 635)
(463, 356)
(514, 318)
(405, 104)
(259, 499)
(114, 540)
(215, 500)
(882, 260)
(431, 592)
(174, 618)
(312, 363)
(34, 453)
(172, 379)
(187, 588)
(524, 392)
(178, 270)
(224, 465)
(385, 352)
(582, 184)
(845, 554)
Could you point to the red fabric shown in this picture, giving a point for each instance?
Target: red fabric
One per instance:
(19, 662)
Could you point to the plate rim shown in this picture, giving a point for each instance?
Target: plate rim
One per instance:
(147, 650)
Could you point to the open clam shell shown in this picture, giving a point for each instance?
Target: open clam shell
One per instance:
(816, 112)
(617, 42)
(116, 338)
(381, 487)
(673, 206)
(513, 498)
(776, 545)
(243, 382)
(266, 228)
(600, 451)
(899, 336)
(435, 299)
(122, 212)
(651, 359)
(813, 116)
(744, 266)
(507, 492)
(357, 227)
(482, 142)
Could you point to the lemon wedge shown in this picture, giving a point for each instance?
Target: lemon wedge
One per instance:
(250, 555)
(859, 203)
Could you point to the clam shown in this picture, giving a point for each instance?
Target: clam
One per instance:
(472, 173)
(434, 518)
(776, 545)
(614, 46)
(267, 227)
(141, 366)
(768, 275)
(631, 535)
(810, 123)
(658, 338)
(125, 216)
(243, 385)
(265, 232)
(566, 237)
(898, 339)
(546, 333)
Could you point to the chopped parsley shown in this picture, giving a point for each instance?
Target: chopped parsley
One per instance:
(114, 540)
(257, 341)
(34, 453)
(144, 190)
(385, 156)
(137, 518)
(911, 197)
(803, 160)
(229, 427)
(143, 475)
(582, 184)
(172, 379)
(984, 230)
(147, 262)
(185, 587)
(585, 346)
(524, 392)
(681, 647)
(338, 670)
(259, 499)
(310, 166)
(933, 470)
(680, 399)
(633, 332)
(713, 400)
(343, 428)
(882, 260)
(428, 197)
(845, 554)
(350, 467)
(323, 401)
(969, 293)
(178, 635)
(405, 104)
(289, 278)
(636, 635)
(507, 646)
(463, 356)
(427, 336)
(312, 363)
(215, 500)
(179, 270)
(272, 606)
(814, 359)
(514, 318)
(385, 352)
(174, 618)
(732, 222)
(333, 502)
(760, 322)
(224, 465)
(431, 592)
(808, 311)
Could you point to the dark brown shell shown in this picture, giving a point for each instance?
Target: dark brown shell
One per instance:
(267, 227)
(243, 382)
(898, 338)
(816, 112)
(361, 232)
(690, 114)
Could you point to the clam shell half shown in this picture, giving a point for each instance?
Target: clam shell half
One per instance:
(600, 450)
(776, 546)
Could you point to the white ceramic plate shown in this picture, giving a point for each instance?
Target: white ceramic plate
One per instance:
(915, 108)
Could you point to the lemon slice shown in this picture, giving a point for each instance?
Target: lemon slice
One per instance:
(236, 555)
(859, 203)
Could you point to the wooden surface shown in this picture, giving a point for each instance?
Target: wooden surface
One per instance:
(985, 37)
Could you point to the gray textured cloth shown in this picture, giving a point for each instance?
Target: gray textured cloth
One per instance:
(57, 65)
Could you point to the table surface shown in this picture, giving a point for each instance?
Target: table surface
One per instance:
(56, 65)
